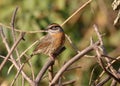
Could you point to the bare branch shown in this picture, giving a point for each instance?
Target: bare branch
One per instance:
(100, 39)
(18, 72)
(110, 57)
(4, 58)
(31, 67)
(73, 60)
(46, 66)
(107, 79)
(14, 34)
(114, 83)
(23, 53)
(12, 49)
(71, 43)
(111, 62)
(13, 18)
(12, 59)
(102, 65)
(4, 39)
(68, 82)
(72, 68)
(91, 75)
(50, 73)
(43, 70)
(17, 30)
(79, 9)
(103, 81)
(104, 52)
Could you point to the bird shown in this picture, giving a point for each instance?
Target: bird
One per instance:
(52, 42)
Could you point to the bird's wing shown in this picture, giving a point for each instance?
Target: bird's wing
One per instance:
(42, 45)
(44, 42)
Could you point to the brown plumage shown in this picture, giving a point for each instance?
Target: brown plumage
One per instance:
(52, 42)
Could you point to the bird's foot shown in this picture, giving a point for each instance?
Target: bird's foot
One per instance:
(52, 57)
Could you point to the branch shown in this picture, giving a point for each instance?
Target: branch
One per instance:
(31, 67)
(50, 73)
(73, 60)
(105, 53)
(104, 81)
(43, 70)
(13, 18)
(71, 43)
(23, 53)
(17, 30)
(111, 62)
(102, 65)
(100, 39)
(46, 66)
(4, 58)
(11, 57)
(79, 9)
(68, 82)
(12, 49)
(18, 72)
(14, 34)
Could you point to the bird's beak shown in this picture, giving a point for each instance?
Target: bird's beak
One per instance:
(46, 30)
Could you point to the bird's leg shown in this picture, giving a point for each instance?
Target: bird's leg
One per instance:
(50, 69)
(52, 57)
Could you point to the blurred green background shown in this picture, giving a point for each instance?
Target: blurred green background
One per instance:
(34, 15)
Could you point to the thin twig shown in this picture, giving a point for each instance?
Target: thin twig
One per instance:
(46, 66)
(77, 11)
(13, 18)
(71, 61)
(11, 57)
(103, 81)
(102, 65)
(106, 68)
(71, 68)
(50, 73)
(27, 49)
(12, 49)
(59, 81)
(114, 83)
(68, 82)
(103, 49)
(32, 32)
(23, 81)
(4, 58)
(110, 57)
(80, 8)
(4, 38)
(13, 32)
(18, 72)
(13, 27)
(71, 43)
(31, 67)
(17, 30)
(91, 76)
(23, 53)
(99, 37)
(43, 70)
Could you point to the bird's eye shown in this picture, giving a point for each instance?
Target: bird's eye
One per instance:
(55, 28)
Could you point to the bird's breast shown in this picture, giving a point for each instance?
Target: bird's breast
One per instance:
(59, 38)
(58, 41)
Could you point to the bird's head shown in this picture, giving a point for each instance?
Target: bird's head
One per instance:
(54, 28)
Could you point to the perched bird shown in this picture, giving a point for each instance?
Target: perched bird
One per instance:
(52, 42)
